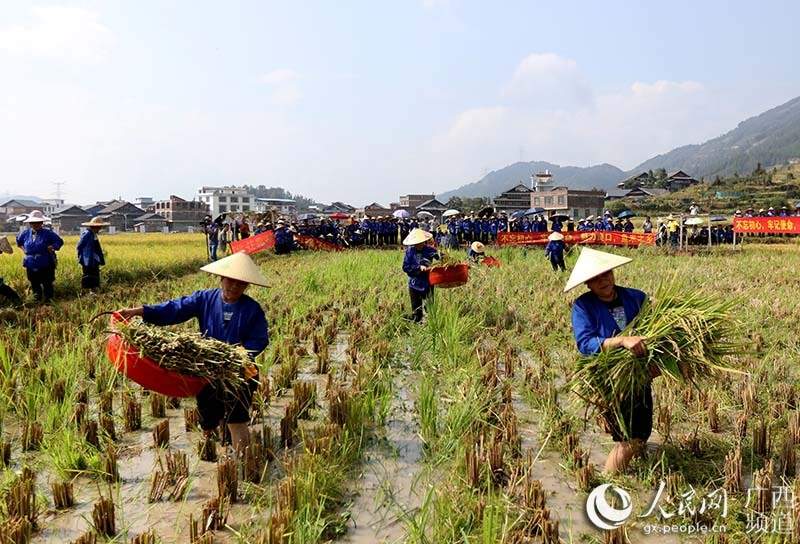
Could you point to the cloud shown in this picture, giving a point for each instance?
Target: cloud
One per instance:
(62, 33)
(284, 86)
(548, 81)
(550, 109)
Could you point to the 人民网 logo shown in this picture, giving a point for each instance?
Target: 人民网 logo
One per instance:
(603, 515)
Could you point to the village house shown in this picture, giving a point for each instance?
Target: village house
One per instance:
(120, 214)
(431, 206)
(69, 218)
(515, 199)
(181, 214)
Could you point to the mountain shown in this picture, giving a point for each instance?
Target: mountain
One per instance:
(5, 197)
(771, 139)
(602, 176)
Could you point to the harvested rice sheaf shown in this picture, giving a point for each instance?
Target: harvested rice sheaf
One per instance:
(187, 352)
(688, 337)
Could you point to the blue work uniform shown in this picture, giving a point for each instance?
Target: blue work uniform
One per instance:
(39, 262)
(419, 288)
(90, 257)
(554, 250)
(594, 320)
(242, 323)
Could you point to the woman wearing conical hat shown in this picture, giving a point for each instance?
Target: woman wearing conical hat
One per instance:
(40, 246)
(90, 253)
(598, 318)
(420, 253)
(476, 252)
(226, 314)
(554, 250)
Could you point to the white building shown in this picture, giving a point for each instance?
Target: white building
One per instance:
(50, 205)
(285, 206)
(227, 199)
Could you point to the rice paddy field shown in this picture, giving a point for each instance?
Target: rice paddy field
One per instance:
(369, 428)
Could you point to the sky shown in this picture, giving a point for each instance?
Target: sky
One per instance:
(364, 101)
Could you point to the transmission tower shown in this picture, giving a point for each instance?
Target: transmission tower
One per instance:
(58, 185)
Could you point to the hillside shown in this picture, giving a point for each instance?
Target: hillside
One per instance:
(775, 187)
(772, 138)
(602, 176)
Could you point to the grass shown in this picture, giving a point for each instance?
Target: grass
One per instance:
(462, 390)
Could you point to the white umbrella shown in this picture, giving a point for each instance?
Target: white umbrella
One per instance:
(450, 213)
(401, 214)
(695, 221)
(425, 214)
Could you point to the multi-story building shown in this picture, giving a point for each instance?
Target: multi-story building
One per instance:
(283, 206)
(179, 213)
(144, 202)
(50, 205)
(411, 202)
(515, 199)
(575, 203)
(227, 199)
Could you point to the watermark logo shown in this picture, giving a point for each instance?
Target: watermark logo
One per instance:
(603, 515)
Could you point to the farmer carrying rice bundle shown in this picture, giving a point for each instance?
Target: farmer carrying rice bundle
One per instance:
(420, 253)
(627, 340)
(228, 315)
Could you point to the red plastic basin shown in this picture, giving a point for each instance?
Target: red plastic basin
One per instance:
(491, 262)
(146, 372)
(445, 277)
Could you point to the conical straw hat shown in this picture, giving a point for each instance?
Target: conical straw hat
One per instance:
(591, 263)
(5, 246)
(555, 236)
(477, 247)
(417, 236)
(238, 266)
(36, 216)
(96, 221)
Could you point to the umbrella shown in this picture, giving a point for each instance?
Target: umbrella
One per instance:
(533, 211)
(625, 214)
(486, 210)
(517, 214)
(450, 213)
(718, 218)
(307, 216)
(339, 215)
(560, 216)
(401, 214)
(425, 214)
(695, 221)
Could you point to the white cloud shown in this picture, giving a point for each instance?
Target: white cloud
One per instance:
(284, 86)
(63, 33)
(551, 110)
(546, 81)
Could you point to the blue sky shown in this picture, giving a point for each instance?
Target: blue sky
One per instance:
(363, 101)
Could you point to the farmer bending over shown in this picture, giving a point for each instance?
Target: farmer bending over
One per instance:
(227, 314)
(598, 317)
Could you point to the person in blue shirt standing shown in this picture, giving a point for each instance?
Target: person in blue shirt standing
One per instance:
(226, 314)
(598, 317)
(40, 246)
(416, 263)
(554, 250)
(90, 253)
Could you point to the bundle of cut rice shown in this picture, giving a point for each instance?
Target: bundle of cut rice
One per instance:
(187, 352)
(688, 337)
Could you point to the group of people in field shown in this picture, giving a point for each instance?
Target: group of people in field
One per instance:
(41, 244)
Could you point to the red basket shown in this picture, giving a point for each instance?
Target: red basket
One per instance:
(146, 372)
(491, 262)
(445, 277)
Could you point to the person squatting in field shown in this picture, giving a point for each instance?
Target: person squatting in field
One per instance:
(226, 314)
(598, 317)
(40, 246)
(5, 290)
(90, 253)
(416, 264)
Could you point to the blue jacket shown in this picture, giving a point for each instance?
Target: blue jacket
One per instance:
(37, 256)
(417, 279)
(89, 250)
(592, 321)
(555, 250)
(247, 326)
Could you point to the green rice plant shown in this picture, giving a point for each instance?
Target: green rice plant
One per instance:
(689, 336)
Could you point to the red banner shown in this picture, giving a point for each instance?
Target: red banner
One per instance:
(607, 238)
(311, 242)
(254, 244)
(767, 225)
